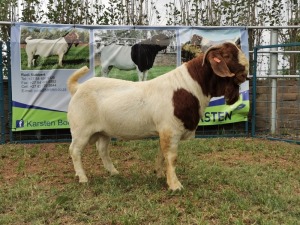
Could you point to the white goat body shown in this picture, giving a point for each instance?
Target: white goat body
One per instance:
(168, 106)
(118, 56)
(131, 110)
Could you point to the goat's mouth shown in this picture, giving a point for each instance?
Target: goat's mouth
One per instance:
(240, 78)
(232, 93)
(232, 100)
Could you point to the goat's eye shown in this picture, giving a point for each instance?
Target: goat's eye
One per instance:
(225, 55)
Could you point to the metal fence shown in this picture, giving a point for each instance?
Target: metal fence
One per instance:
(276, 95)
(274, 116)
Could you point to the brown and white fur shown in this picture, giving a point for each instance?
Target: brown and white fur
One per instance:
(169, 106)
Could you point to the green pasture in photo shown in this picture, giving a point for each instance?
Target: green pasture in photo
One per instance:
(226, 181)
(132, 74)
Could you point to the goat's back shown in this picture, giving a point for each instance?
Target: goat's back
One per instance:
(45, 47)
(124, 109)
(118, 56)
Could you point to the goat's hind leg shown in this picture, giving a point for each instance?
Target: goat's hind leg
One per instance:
(29, 60)
(105, 70)
(102, 147)
(75, 152)
(159, 164)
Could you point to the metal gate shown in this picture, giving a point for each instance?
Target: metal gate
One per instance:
(276, 95)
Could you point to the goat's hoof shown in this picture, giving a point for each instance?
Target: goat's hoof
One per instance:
(83, 180)
(114, 173)
(176, 187)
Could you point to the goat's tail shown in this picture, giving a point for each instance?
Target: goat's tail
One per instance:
(28, 38)
(73, 79)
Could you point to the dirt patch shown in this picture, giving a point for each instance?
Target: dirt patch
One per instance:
(44, 161)
(270, 153)
(52, 164)
(231, 157)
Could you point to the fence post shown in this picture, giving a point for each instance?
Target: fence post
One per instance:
(273, 71)
(253, 118)
(9, 90)
(2, 96)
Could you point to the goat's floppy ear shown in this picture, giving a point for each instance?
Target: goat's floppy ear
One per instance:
(217, 63)
(219, 66)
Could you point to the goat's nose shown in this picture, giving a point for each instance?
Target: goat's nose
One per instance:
(245, 76)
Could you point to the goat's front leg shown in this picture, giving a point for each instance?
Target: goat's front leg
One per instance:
(140, 74)
(145, 75)
(102, 147)
(60, 58)
(168, 145)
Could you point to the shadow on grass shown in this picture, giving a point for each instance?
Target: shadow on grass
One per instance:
(123, 184)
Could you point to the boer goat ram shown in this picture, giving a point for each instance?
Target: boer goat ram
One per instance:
(140, 56)
(45, 47)
(169, 106)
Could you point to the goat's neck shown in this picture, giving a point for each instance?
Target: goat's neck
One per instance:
(201, 73)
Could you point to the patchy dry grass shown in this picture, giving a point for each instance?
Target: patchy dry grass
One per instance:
(227, 181)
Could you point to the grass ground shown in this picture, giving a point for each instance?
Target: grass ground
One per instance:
(226, 181)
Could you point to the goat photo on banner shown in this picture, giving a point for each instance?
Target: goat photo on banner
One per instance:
(53, 48)
(139, 52)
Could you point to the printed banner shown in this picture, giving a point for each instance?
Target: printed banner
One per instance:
(44, 56)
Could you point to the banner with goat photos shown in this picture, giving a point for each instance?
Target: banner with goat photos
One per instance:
(43, 57)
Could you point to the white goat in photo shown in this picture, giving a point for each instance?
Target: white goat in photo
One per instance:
(46, 47)
(140, 56)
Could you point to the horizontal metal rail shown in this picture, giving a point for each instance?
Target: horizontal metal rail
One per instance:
(248, 27)
(275, 76)
(279, 52)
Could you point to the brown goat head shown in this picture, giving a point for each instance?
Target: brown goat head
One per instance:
(224, 68)
(72, 38)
